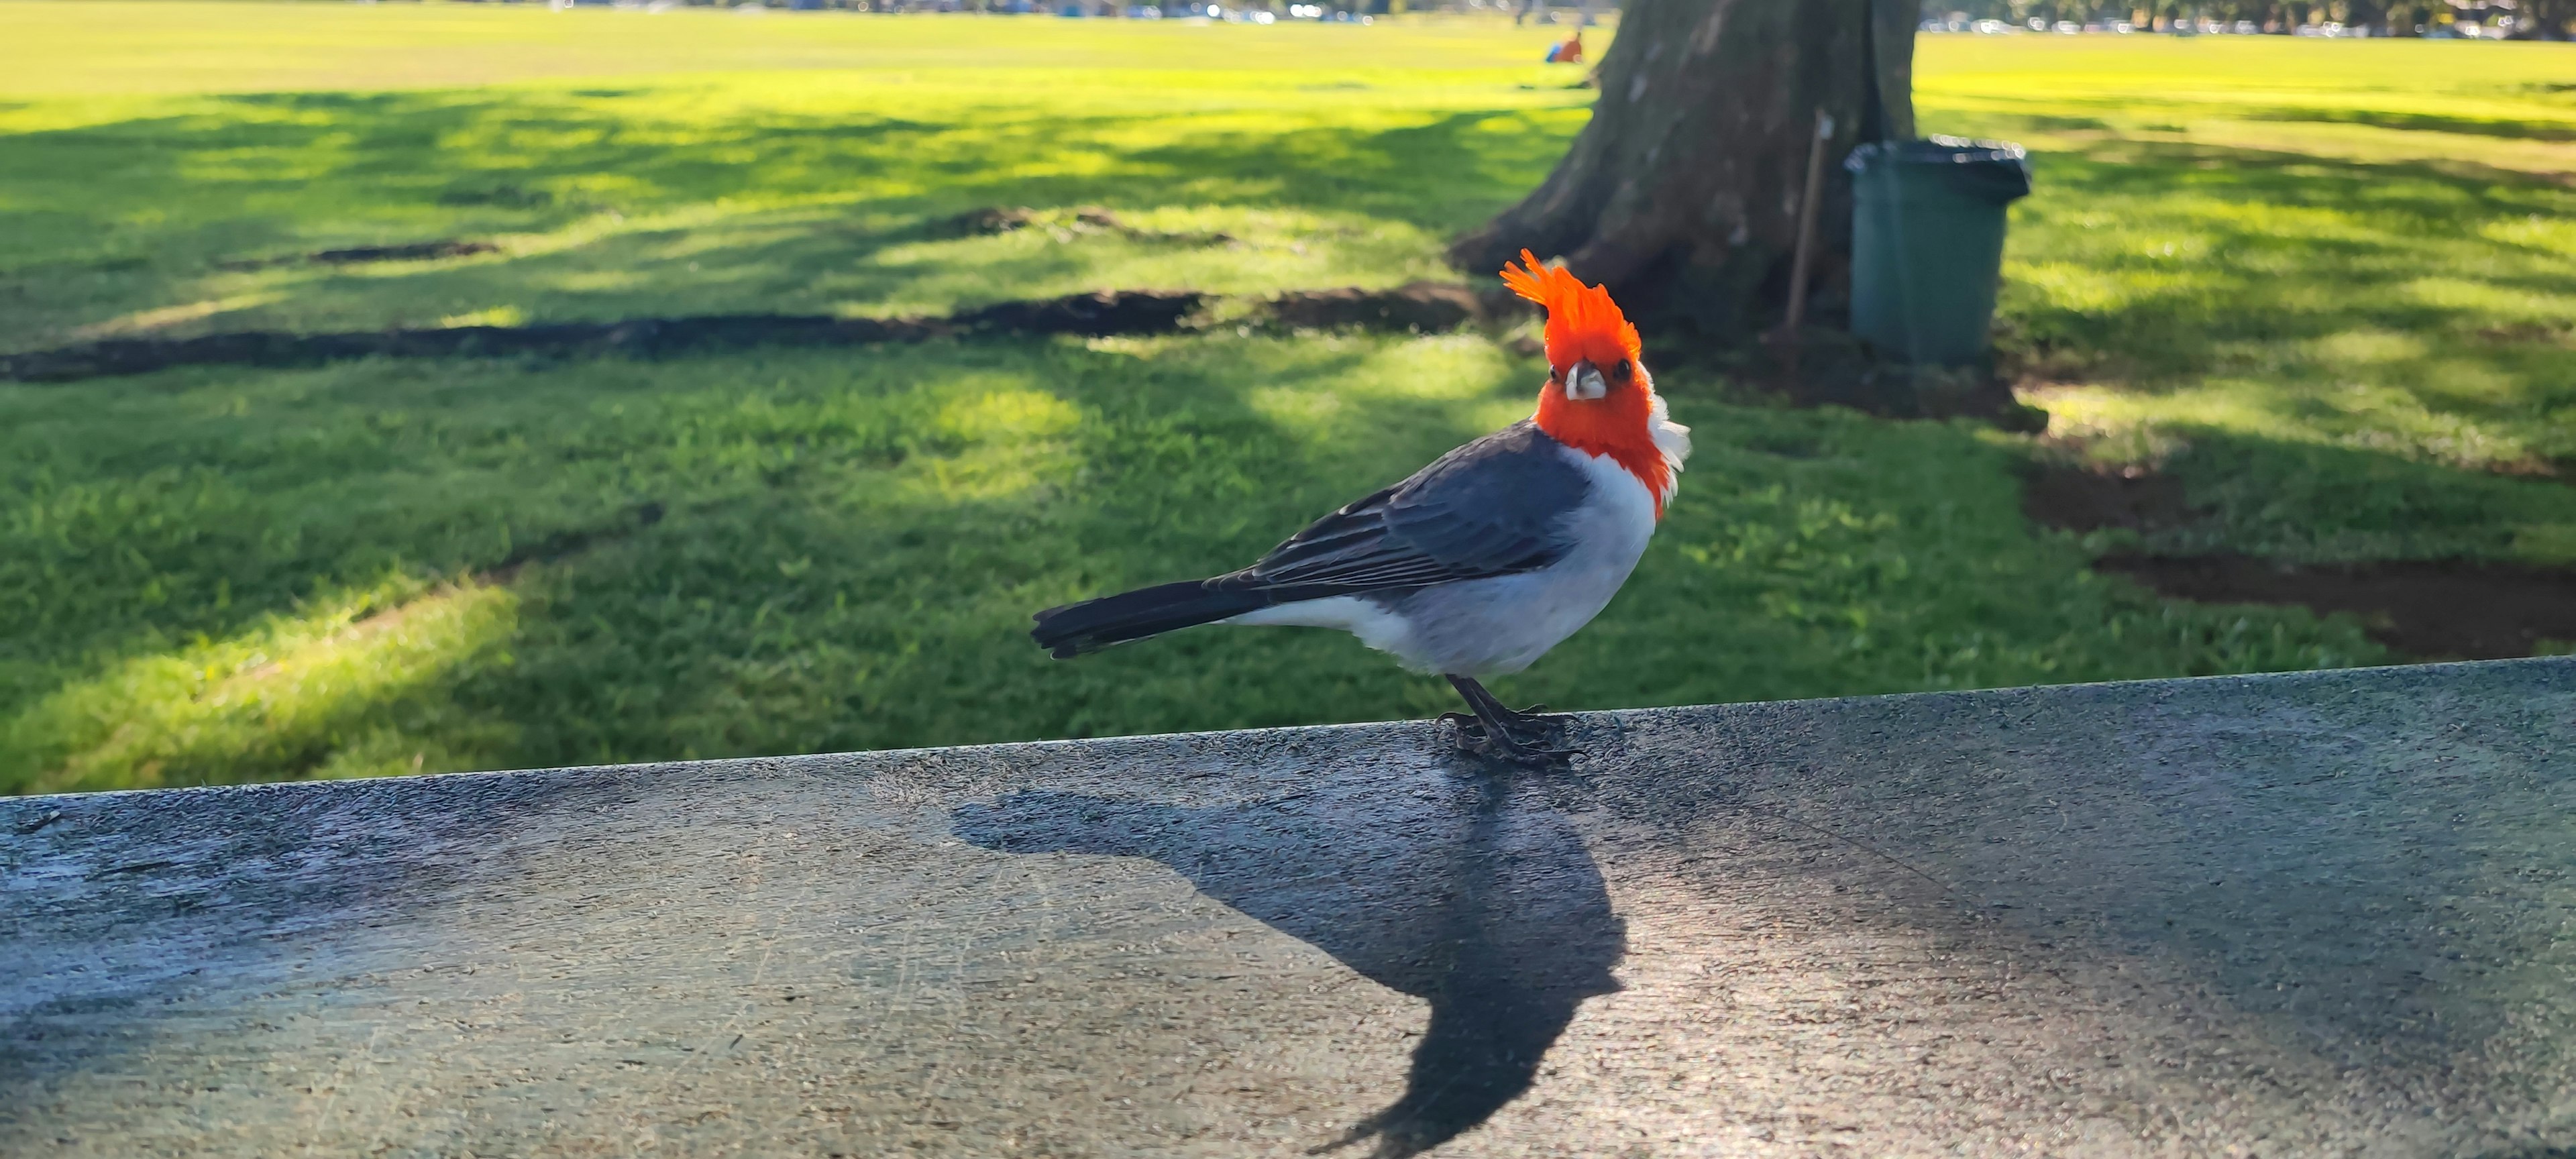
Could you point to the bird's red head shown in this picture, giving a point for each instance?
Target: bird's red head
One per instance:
(1598, 398)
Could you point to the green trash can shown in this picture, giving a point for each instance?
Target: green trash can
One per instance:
(1928, 243)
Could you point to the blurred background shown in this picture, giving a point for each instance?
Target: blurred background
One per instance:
(2290, 318)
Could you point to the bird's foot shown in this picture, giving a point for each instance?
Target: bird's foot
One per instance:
(1536, 720)
(1525, 738)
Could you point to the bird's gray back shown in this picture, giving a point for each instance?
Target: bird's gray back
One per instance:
(1495, 506)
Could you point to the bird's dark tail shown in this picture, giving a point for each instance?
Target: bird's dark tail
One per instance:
(1092, 625)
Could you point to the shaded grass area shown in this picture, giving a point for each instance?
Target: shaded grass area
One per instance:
(301, 578)
(2341, 337)
(796, 194)
(2384, 306)
(2325, 295)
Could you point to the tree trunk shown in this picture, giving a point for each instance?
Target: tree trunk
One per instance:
(1682, 193)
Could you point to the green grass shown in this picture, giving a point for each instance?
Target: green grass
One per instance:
(818, 190)
(2329, 289)
(216, 575)
(851, 547)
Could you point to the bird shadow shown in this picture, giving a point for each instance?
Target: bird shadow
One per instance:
(1475, 898)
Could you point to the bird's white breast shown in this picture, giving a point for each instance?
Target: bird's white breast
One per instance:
(1494, 627)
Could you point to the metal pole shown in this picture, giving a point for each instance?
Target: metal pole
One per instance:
(1787, 337)
(1798, 267)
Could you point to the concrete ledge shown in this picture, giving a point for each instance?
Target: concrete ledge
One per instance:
(2307, 914)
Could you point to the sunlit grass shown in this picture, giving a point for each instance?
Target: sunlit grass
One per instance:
(332, 691)
(114, 47)
(836, 209)
(847, 550)
(2327, 288)
(2325, 284)
(2500, 105)
(2208, 205)
(1308, 157)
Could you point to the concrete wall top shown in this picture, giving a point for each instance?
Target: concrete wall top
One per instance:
(2328, 913)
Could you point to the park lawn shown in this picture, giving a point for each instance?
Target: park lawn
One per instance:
(311, 573)
(810, 189)
(225, 574)
(2331, 286)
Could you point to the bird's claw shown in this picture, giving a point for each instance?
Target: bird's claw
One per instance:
(1524, 738)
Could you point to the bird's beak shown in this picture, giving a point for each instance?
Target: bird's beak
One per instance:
(1583, 381)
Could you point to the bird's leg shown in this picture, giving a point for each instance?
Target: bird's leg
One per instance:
(1496, 730)
(1532, 720)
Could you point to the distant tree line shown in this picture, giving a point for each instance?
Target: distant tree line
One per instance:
(2555, 19)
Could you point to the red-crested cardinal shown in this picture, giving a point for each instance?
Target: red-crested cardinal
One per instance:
(1482, 561)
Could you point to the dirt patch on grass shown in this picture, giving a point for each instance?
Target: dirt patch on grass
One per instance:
(2433, 609)
(993, 219)
(1424, 306)
(1065, 225)
(1823, 366)
(2436, 609)
(1087, 315)
(505, 196)
(2079, 498)
(421, 252)
(361, 255)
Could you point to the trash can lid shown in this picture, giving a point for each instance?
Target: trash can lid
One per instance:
(1996, 169)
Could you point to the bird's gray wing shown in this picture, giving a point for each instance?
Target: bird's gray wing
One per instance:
(1493, 507)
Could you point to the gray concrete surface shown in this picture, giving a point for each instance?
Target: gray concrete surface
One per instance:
(2325, 914)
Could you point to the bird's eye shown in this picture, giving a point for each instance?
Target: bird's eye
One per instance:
(1619, 370)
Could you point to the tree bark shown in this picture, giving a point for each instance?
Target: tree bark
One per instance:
(1682, 193)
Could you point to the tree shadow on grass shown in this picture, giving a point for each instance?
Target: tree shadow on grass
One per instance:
(2380, 301)
(839, 606)
(772, 201)
(1482, 901)
(2417, 122)
(846, 548)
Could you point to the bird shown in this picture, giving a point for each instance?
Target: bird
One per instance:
(1478, 564)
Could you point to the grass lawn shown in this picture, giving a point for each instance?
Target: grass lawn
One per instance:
(2324, 284)
(2334, 291)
